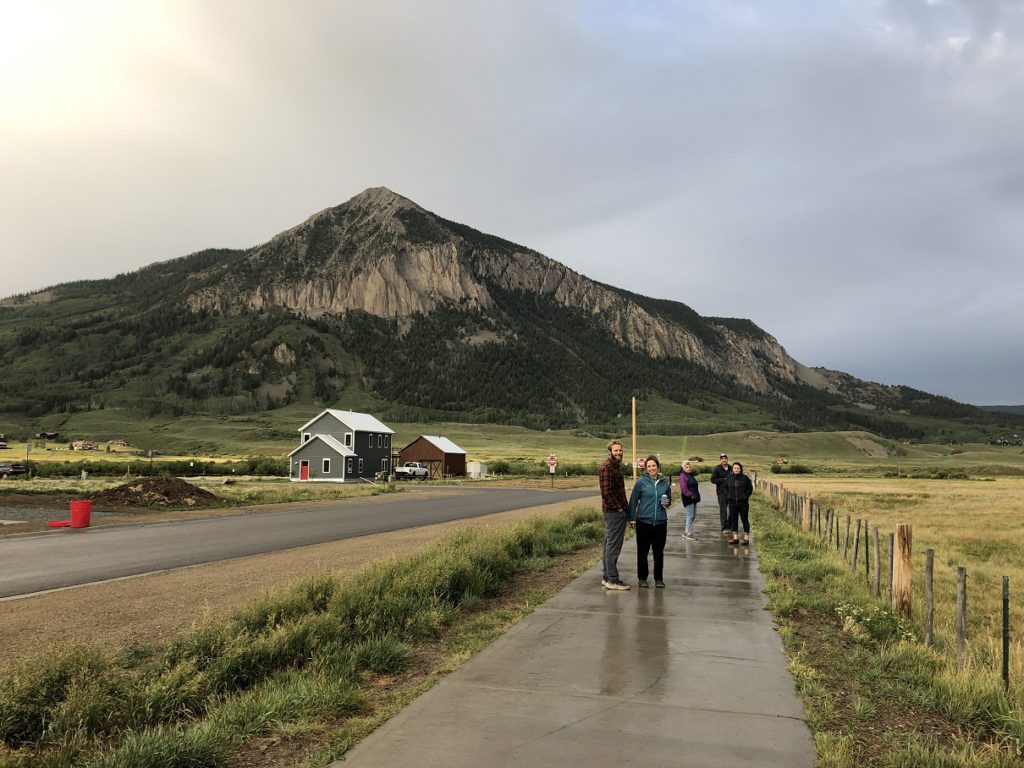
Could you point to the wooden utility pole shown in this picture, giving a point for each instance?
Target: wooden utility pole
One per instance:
(634, 439)
(901, 570)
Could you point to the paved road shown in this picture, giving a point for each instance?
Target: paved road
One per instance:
(70, 557)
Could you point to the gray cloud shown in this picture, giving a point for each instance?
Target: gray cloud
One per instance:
(848, 177)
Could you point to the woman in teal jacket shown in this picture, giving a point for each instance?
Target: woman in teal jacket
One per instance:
(648, 516)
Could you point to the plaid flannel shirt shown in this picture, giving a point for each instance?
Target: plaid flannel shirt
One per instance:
(613, 487)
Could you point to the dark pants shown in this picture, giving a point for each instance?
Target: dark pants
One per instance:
(650, 537)
(739, 510)
(614, 532)
(723, 511)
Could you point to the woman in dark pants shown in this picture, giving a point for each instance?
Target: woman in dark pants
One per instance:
(648, 516)
(738, 490)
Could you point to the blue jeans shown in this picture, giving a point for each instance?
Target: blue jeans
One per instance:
(614, 532)
(691, 513)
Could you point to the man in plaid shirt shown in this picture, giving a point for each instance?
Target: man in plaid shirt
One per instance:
(614, 506)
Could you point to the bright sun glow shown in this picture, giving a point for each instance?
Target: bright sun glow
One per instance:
(64, 63)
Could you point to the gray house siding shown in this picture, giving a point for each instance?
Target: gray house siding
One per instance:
(374, 455)
(315, 451)
(328, 425)
(354, 451)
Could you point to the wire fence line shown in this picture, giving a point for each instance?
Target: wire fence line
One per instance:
(862, 551)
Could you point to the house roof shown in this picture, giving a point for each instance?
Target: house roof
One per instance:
(357, 422)
(334, 444)
(446, 445)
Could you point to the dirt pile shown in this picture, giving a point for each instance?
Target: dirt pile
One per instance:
(156, 492)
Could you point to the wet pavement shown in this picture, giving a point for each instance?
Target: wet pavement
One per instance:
(690, 675)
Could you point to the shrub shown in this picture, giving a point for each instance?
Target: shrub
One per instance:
(790, 469)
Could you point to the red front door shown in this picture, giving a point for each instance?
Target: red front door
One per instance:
(304, 470)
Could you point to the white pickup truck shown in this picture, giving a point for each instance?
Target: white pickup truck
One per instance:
(411, 470)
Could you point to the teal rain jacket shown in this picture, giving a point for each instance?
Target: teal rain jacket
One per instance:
(643, 502)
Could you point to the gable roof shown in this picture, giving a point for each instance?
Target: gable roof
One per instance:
(446, 445)
(357, 422)
(333, 443)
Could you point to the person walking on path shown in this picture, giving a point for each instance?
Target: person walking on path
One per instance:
(738, 490)
(615, 507)
(689, 494)
(718, 476)
(648, 515)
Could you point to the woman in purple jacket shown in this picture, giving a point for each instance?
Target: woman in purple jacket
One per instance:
(690, 495)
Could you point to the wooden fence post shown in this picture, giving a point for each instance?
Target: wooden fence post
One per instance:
(901, 570)
(961, 618)
(878, 569)
(867, 558)
(856, 548)
(892, 549)
(846, 541)
(929, 597)
(1006, 633)
(805, 513)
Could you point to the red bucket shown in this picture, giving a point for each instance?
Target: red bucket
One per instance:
(81, 513)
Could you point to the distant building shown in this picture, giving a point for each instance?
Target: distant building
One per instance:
(341, 446)
(441, 456)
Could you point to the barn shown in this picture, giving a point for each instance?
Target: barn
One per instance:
(441, 456)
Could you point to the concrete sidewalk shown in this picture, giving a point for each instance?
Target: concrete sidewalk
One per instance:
(690, 675)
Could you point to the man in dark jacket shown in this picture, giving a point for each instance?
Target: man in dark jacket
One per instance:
(718, 475)
(615, 507)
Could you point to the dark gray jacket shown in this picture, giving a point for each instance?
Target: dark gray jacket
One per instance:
(718, 475)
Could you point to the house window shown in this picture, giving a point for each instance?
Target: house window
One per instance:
(360, 466)
(306, 436)
(348, 465)
(387, 440)
(380, 441)
(348, 439)
(327, 466)
(383, 465)
(369, 440)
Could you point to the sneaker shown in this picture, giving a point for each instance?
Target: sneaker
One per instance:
(659, 584)
(607, 584)
(746, 542)
(620, 584)
(643, 584)
(689, 537)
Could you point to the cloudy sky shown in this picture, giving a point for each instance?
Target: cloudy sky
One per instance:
(848, 174)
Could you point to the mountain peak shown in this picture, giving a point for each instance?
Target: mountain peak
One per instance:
(381, 197)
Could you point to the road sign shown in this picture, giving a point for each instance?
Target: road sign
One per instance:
(552, 460)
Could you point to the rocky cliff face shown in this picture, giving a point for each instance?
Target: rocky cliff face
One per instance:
(384, 255)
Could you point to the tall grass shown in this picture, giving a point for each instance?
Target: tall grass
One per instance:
(291, 656)
(977, 525)
(853, 658)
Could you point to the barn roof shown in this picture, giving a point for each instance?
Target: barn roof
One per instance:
(446, 445)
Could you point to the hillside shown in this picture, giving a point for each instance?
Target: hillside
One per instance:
(378, 303)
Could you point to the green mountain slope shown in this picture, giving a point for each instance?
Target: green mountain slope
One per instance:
(378, 302)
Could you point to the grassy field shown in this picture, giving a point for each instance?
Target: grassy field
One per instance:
(275, 433)
(976, 524)
(875, 696)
